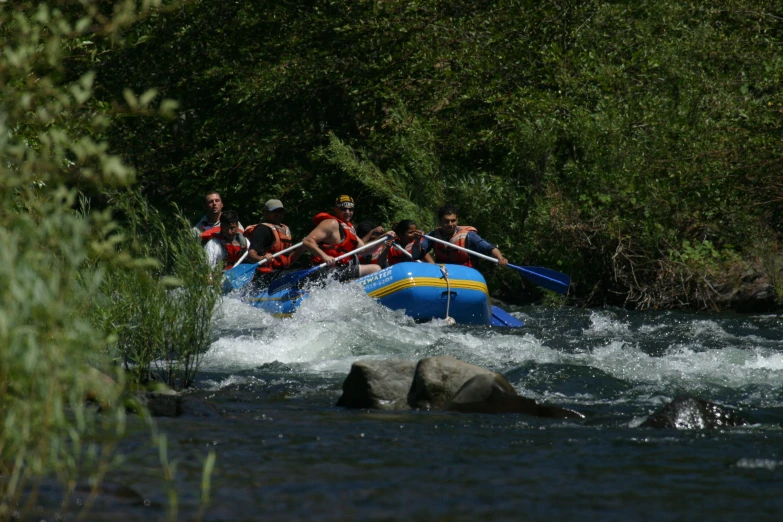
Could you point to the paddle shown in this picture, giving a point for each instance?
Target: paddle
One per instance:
(240, 275)
(543, 277)
(291, 279)
(243, 256)
(398, 247)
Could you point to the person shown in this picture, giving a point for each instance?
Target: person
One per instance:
(228, 245)
(269, 237)
(463, 236)
(409, 238)
(214, 207)
(368, 231)
(333, 236)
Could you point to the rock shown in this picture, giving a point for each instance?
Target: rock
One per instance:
(198, 407)
(690, 413)
(99, 387)
(172, 404)
(160, 404)
(493, 394)
(749, 288)
(438, 379)
(382, 385)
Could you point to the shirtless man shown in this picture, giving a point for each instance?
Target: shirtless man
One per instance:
(333, 236)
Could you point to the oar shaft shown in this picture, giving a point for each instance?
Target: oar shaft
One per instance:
(398, 247)
(352, 252)
(452, 245)
(239, 261)
(287, 250)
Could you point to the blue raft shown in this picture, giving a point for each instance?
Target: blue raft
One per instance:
(422, 290)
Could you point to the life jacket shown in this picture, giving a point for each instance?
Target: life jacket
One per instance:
(395, 256)
(372, 258)
(282, 240)
(234, 248)
(349, 243)
(215, 231)
(444, 254)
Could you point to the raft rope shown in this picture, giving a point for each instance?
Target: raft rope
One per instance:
(445, 272)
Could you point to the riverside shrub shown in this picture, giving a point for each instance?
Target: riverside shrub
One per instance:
(56, 253)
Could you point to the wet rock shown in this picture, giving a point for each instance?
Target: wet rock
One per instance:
(198, 407)
(160, 404)
(438, 379)
(172, 404)
(748, 288)
(110, 494)
(99, 387)
(493, 394)
(381, 385)
(691, 413)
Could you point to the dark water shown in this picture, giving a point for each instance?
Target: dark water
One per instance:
(284, 452)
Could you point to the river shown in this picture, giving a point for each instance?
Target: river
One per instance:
(285, 452)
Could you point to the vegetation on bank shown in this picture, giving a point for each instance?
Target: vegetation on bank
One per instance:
(634, 145)
(76, 284)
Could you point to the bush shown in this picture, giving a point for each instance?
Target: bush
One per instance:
(160, 312)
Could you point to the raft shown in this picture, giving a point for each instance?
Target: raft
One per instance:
(424, 291)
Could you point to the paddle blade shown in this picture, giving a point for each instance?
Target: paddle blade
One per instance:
(287, 281)
(545, 277)
(502, 318)
(239, 276)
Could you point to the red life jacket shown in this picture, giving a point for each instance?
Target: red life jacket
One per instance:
(371, 258)
(349, 243)
(444, 254)
(282, 240)
(395, 256)
(234, 248)
(215, 231)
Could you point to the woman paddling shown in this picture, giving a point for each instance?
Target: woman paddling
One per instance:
(408, 238)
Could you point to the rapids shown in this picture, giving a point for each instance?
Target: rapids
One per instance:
(285, 452)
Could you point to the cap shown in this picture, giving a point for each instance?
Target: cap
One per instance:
(344, 202)
(273, 204)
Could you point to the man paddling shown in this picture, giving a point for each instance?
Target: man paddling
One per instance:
(228, 245)
(213, 204)
(269, 237)
(335, 235)
(462, 236)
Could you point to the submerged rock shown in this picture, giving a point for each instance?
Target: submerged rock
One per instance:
(381, 385)
(691, 413)
(493, 394)
(172, 404)
(438, 379)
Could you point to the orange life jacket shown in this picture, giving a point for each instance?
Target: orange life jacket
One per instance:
(215, 231)
(234, 248)
(395, 256)
(349, 243)
(444, 254)
(371, 258)
(282, 240)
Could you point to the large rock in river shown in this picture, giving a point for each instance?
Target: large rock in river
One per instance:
(438, 379)
(493, 394)
(381, 385)
(691, 413)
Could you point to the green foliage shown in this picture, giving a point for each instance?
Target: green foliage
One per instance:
(572, 134)
(54, 258)
(159, 313)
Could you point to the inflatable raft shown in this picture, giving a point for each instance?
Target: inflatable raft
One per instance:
(423, 290)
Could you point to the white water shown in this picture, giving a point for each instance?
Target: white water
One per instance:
(340, 324)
